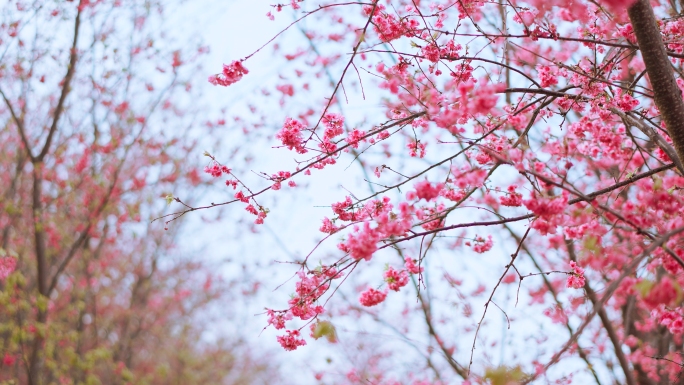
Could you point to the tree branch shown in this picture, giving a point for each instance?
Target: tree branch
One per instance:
(71, 70)
(20, 125)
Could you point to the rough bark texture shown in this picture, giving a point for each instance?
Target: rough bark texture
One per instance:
(666, 93)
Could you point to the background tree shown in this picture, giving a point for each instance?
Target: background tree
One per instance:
(97, 125)
(545, 135)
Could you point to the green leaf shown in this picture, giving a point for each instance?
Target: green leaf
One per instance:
(325, 329)
(504, 375)
(657, 183)
(591, 243)
(644, 287)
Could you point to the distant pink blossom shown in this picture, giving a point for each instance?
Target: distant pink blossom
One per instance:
(7, 266)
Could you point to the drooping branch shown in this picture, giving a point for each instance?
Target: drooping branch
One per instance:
(605, 321)
(607, 294)
(552, 290)
(666, 94)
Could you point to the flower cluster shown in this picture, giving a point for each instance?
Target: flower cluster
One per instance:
(292, 340)
(372, 297)
(279, 177)
(278, 318)
(411, 266)
(547, 76)
(512, 199)
(545, 208)
(7, 266)
(416, 149)
(334, 125)
(362, 242)
(303, 303)
(480, 245)
(231, 74)
(291, 135)
(396, 279)
(576, 279)
(669, 318)
(425, 190)
(389, 27)
(216, 170)
(355, 137)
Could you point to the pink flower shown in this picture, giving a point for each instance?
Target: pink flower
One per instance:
(388, 27)
(396, 279)
(416, 149)
(625, 102)
(431, 52)
(426, 190)
(513, 199)
(411, 266)
(241, 197)
(361, 244)
(372, 297)
(547, 207)
(355, 137)
(291, 135)
(341, 209)
(662, 293)
(333, 125)
(277, 319)
(328, 227)
(481, 245)
(251, 210)
(260, 218)
(547, 76)
(232, 183)
(576, 280)
(291, 341)
(677, 326)
(231, 74)
(216, 170)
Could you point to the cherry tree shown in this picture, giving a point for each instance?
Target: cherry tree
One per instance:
(98, 127)
(547, 136)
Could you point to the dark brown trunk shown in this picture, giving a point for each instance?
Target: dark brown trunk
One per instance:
(666, 93)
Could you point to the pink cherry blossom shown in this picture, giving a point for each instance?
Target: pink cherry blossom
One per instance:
(372, 297)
